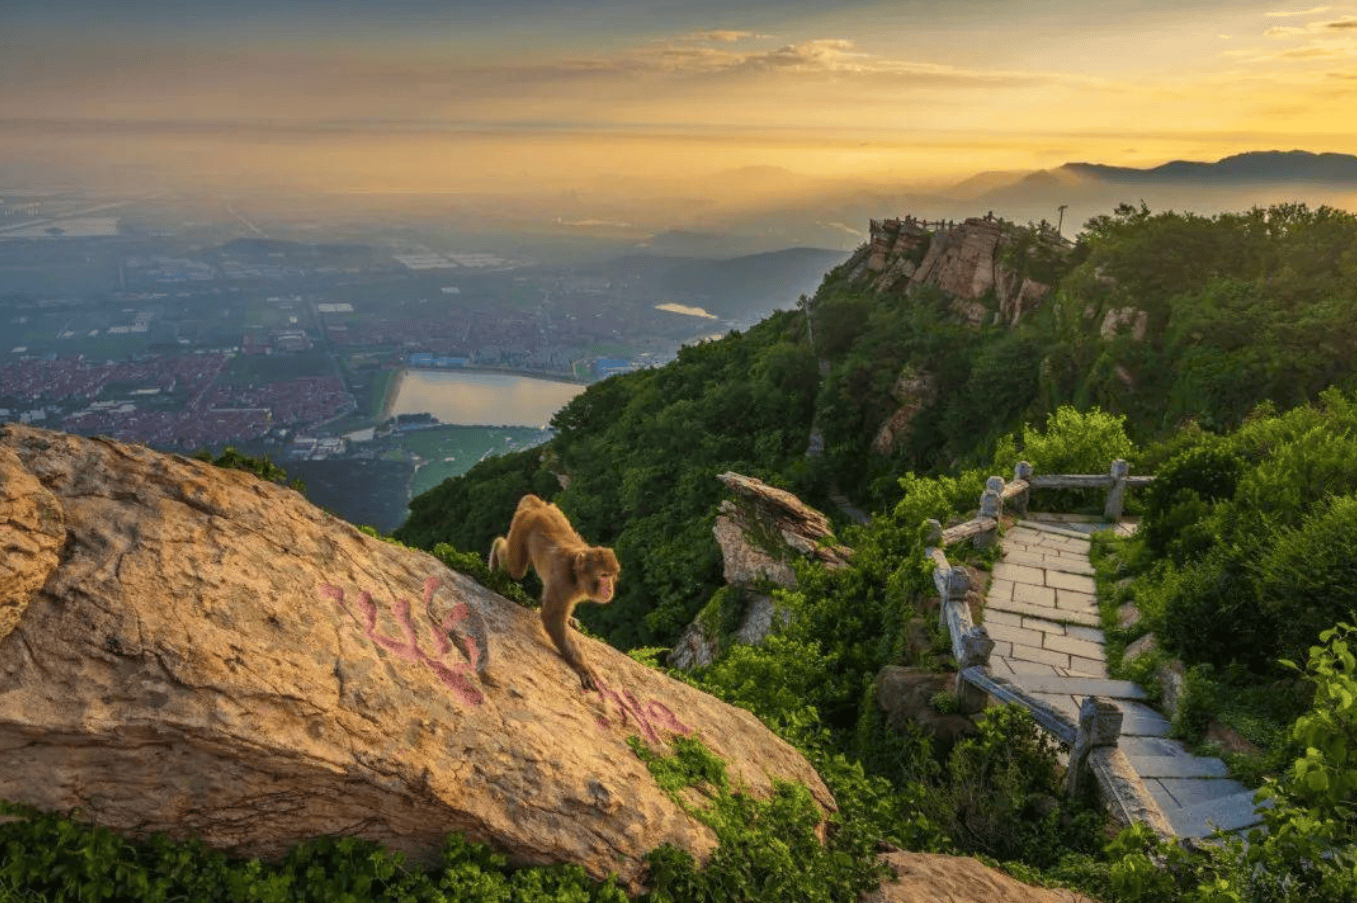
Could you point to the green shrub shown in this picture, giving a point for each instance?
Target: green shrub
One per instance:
(1002, 793)
(1180, 498)
(1307, 581)
(1073, 442)
(769, 849)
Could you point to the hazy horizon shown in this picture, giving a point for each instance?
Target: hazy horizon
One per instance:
(528, 97)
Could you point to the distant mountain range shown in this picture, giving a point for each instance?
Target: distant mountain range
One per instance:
(1236, 182)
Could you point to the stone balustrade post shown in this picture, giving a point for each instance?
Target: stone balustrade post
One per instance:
(1099, 725)
(1116, 493)
(991, 505)
(976, 647)
(932, 533)
(958, 585)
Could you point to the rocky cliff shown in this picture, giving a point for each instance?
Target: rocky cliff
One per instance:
(190, 650)
(977, 262)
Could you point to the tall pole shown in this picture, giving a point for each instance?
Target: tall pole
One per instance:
(1061, 221)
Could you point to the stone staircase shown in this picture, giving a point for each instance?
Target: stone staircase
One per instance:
(1042, 613)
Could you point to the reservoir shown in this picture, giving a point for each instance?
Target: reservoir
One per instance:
(470, 398)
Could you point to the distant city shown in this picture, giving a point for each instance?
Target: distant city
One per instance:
(157, 322)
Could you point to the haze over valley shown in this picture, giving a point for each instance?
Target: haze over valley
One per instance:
(238, 223)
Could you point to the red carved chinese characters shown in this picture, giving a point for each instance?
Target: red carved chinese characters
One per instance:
(461, 627)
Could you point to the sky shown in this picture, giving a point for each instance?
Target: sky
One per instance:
(415, 95)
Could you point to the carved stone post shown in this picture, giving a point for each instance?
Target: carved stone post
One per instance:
(1116, 493)
(958, 585)
(1022, 472)
(1099, 725)
(932, 533)
(991, 505)
(976, 647)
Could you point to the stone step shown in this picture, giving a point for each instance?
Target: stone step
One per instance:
(1048, 612)
(1140, 747)
(1072, 532)
(1184, 766)
(1228, 813)
(1139, 719)
(1080, 686)
(1189, 792)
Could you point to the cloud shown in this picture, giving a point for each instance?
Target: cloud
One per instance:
(702, 54)
(721, 36)
(1347, 23)
(1312, 11)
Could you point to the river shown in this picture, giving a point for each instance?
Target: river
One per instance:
(475, 398)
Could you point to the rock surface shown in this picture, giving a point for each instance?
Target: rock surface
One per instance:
(906, 694)
(913, 390)
(760, 533)
(935, 878)
(774, 525)
(965, 260)
(194, 651)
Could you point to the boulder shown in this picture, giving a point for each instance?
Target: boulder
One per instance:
(191, 650)
(760, 532)
(936, 878)
(906, 694)
(765, 524)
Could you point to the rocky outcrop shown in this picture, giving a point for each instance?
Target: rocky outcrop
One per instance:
(761, 532)
(906, 696)
(913, 390)
(771, 524)
(1121, 319)
(965, 260)
(892, 254)
(194, 651)
(935, 878)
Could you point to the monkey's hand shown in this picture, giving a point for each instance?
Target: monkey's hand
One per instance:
(574, 622)
(588, 678)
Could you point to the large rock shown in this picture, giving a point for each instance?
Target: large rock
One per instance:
(761, 531)
(905, 695)
(194, 651)
(935, 878)
(771, 524)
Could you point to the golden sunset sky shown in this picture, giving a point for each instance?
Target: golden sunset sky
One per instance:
(410, 95)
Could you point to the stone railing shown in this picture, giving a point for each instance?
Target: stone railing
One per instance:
(1093, 738)
(1116, 482)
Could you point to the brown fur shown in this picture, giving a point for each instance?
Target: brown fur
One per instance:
(571, 571)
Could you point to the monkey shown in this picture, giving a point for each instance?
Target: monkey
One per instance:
(571, 571)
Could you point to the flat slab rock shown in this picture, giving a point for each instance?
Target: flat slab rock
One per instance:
(191, 650)
(936, 878)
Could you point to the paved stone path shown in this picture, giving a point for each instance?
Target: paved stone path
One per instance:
(1042, 614)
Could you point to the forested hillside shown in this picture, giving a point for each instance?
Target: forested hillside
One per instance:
(1168, 318)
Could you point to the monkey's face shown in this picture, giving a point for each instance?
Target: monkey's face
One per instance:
(597, 570)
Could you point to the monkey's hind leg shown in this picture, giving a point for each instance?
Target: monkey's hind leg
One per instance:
(511, 554)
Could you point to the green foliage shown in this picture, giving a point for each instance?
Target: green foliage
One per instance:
(1178, 500)
(232, 458)
(50, 858)
(768, 848)
(472, 565)
(1307, 580)
(1072, 442)
(1002, 793)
